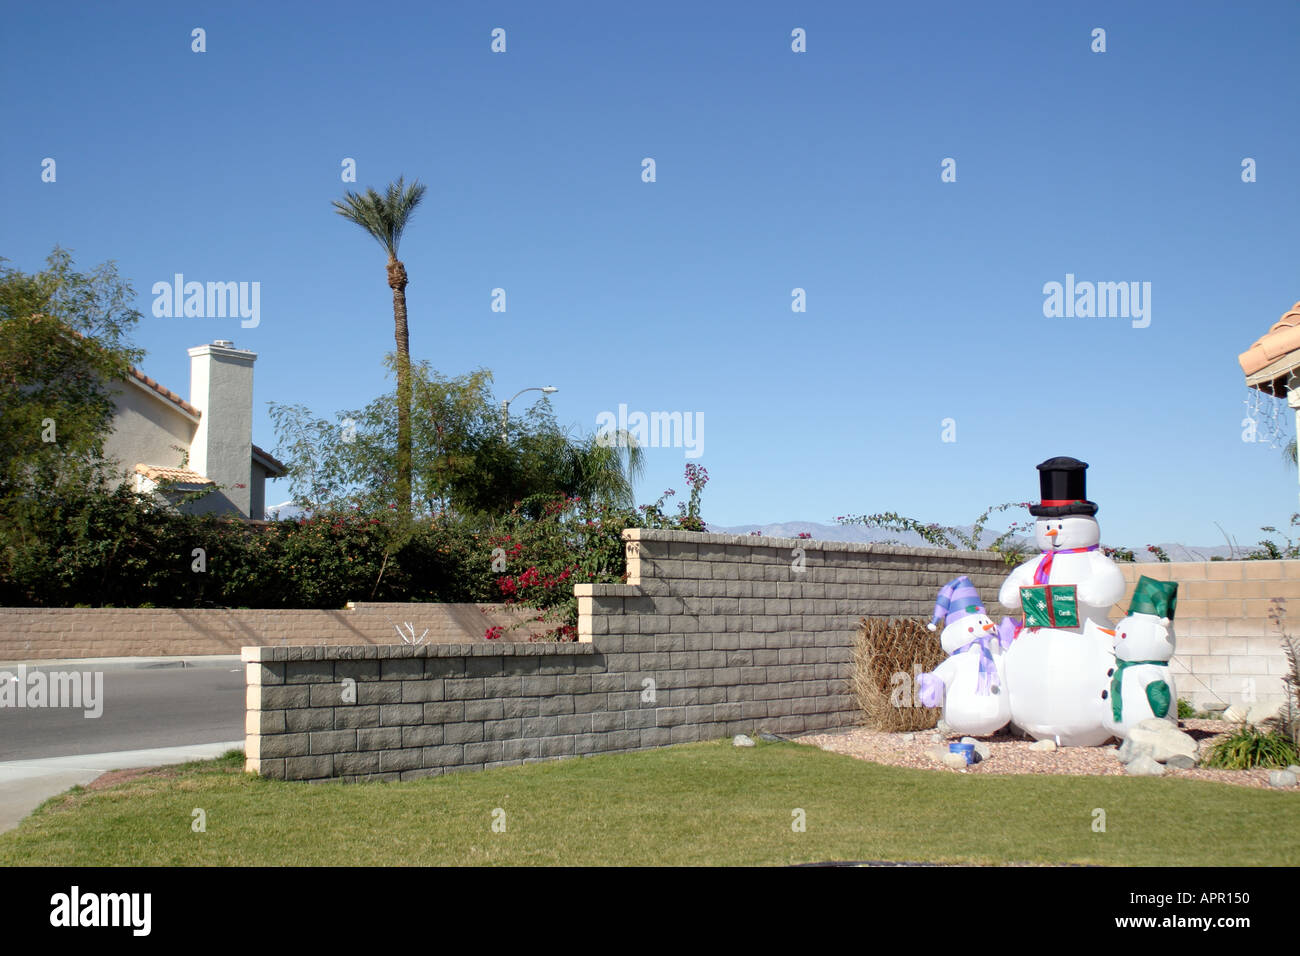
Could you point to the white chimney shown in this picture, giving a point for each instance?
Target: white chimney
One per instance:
(221, 387)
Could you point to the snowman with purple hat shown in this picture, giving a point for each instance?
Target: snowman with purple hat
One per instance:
(971, 683)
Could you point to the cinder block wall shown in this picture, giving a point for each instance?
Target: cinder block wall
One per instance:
(28, 634)
(713, 635)
(1227, 648)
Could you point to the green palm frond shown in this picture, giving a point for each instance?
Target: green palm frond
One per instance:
(384, 217)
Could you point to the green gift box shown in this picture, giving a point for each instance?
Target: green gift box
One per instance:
(1054, 605)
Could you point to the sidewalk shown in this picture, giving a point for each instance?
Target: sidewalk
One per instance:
(25, 784)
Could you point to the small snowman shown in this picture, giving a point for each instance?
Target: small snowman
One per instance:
(1141, 684)
(970, 683)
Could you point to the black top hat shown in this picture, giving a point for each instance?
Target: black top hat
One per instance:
(1064, 489)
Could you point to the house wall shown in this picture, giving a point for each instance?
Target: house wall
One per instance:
(144, 429)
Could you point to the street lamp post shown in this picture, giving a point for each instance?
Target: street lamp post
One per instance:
(505, 406)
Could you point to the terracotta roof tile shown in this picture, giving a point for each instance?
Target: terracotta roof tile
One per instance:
(181, 475)
(166, 393)
(1281, 338)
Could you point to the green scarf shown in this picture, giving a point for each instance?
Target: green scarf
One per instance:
(1116, 701)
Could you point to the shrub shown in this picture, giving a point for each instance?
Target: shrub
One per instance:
(888, 655)
(1186, 710)
(1249, 747)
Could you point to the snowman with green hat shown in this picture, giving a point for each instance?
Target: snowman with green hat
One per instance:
(1141, 684)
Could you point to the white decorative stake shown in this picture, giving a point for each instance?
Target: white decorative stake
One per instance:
(409, 636)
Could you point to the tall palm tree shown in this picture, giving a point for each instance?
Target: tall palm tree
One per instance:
(385, 218)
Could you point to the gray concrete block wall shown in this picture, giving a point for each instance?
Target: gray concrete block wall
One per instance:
(712, 635)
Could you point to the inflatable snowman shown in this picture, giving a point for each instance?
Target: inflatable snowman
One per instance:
(1141, 685)
(1066, 593)
(970, 684)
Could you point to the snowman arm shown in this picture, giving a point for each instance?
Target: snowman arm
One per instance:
(1105, 585)
(1023, 576)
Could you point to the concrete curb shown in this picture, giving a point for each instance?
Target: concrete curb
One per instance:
(230, 661)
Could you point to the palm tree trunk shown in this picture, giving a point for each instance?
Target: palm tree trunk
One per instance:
(397, 282)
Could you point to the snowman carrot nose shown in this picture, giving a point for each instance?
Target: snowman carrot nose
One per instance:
(1052, 534)
(990, 627)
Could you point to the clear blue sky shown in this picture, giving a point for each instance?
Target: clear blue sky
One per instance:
(775, 170)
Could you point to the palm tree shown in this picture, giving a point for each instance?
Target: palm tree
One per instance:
(385, 218)
(602, 469)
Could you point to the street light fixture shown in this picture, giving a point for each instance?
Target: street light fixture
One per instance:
(505, 406)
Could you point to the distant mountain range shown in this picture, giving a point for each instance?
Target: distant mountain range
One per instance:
(835, 532)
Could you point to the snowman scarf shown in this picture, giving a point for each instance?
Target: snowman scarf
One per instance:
(988, 670)
(1117, 683)
(1044, 570)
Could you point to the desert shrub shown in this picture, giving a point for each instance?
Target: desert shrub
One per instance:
(1249, 746)
(1185, 710)
(888, 656)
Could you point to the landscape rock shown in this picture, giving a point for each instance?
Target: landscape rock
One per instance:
(1235, 714)
(1043, 745)
(1295, 769)
(1143, 766)
(742, 740)
(1216, 709)
(768, 737)
(1181, 762)
(955, 761)
(1163, 738)
(1282, 778)
(908, 738)
(1130, 749)
(937, 753)
(936, 738)
(943, 726)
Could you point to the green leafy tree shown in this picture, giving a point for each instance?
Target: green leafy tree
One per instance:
(63, 340)
(460, 465)
(385, 218)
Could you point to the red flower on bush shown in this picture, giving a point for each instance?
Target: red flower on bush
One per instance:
(492, 633)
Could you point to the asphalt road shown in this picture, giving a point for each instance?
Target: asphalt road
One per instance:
(143, 708)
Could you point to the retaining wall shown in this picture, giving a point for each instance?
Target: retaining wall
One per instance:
(712, 635)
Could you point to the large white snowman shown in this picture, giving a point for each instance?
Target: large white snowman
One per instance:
(1051, 670)
(970, 684)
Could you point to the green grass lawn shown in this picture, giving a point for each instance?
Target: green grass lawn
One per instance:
(694, 804)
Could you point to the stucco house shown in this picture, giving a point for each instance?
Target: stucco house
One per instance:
(160, 437)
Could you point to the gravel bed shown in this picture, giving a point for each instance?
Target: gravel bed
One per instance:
(1011, 755)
